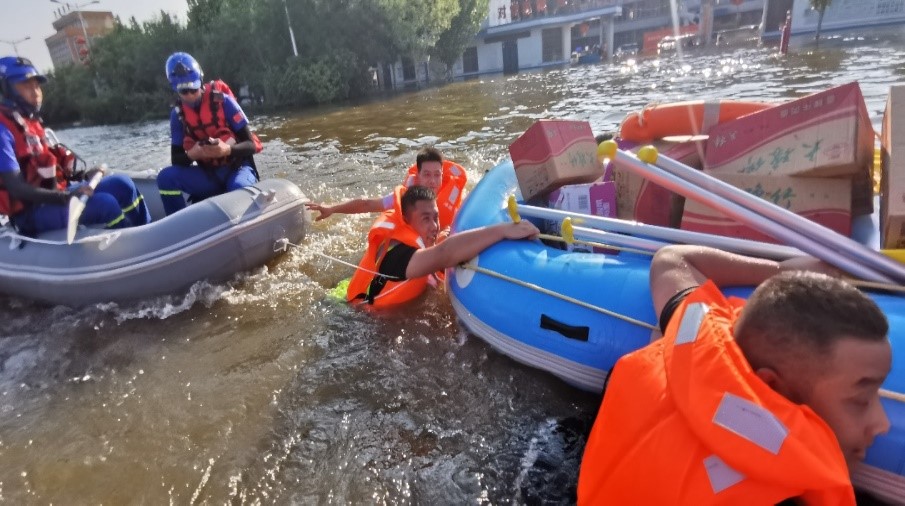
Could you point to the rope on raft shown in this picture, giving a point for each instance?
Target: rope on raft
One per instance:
(557, 295)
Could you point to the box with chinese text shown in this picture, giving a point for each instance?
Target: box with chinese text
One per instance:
(552, 153)
(824, 134)
(826, 201)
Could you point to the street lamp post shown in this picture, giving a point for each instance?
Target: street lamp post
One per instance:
(14, 43)
(78, 10)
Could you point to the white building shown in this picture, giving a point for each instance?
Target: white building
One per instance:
(537, 40)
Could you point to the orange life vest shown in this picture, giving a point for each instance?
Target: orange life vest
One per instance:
(34, 154)
(685, 420)
(210, 121)
(387, 231)
(449, 196)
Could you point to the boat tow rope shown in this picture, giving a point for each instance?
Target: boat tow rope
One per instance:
(560, 296)
(284, 244)
(16, 239)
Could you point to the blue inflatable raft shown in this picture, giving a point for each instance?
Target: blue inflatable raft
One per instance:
(551, 309)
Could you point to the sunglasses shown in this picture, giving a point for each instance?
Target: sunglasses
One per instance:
(188, 91)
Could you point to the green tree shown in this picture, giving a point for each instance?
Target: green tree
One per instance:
(461, 32)
(246, 42)
(819, 6)
(203, 14)
(417, 24)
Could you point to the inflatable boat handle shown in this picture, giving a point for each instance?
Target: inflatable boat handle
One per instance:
(106, 240)
(281, 245)
(265, 198)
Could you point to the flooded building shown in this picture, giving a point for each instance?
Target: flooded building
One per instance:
(525, 34)
(74, 32)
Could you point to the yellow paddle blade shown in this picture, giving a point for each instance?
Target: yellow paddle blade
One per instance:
(896, 254)
(513, 209)
(566, 231)
(877, 169)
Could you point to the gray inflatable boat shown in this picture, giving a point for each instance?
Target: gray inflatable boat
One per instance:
(211, 240)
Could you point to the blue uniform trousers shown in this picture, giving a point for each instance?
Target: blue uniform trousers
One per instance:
(116, 203)
(200, 183)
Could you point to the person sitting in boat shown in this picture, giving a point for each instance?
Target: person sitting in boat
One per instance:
(403, 251)
(37, 179)
(741, 403)
(212, 145)
(447, 179)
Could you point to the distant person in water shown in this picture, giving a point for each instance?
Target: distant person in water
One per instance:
(403, 251)
(212, 146)
(37, 179)
(447, 179)
(767, 401)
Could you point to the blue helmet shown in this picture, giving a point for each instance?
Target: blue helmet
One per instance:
(183, 72)
(14, 69)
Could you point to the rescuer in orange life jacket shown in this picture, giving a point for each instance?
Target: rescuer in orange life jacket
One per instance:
(447, 179)
(212, 145)
(403, 249)
(767, 401)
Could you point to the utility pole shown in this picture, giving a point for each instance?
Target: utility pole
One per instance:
(295, 50)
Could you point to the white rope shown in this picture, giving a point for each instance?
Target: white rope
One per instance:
(337, 260)
(889, 394)
(12, 234)
(558, 295)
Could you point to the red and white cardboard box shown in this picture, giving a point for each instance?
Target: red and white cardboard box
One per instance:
(824, 134)
(826, 201)
(553, 153)
(598, 199)
(640, 200)
(892, 180)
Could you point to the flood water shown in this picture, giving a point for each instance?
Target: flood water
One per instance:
(265, 390)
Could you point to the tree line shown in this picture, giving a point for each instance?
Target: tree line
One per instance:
(247, 42)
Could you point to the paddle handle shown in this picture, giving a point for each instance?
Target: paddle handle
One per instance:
(77, 206)
(93, 182)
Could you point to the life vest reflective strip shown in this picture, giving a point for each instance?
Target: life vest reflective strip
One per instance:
(209, 121)
(387, 231)
(686, 421)
(449, 196)
(32, 153)
(694, 117)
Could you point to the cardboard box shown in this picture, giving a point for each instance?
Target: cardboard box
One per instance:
(892, 179)
(598, 199)
(826, 201)
(824, 134)
(553, 153)
(640, 200)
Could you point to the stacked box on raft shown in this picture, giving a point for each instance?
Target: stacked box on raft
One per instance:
(553, 153)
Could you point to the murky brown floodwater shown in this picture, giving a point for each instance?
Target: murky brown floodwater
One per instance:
(262, 390)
